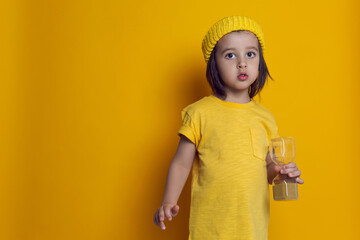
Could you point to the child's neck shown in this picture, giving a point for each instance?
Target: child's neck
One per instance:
(235, 98)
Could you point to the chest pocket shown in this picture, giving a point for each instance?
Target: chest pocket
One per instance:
(259, 143)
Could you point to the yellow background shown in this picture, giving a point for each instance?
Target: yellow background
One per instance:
(90, 101)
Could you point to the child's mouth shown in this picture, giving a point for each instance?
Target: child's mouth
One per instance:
(242, 77)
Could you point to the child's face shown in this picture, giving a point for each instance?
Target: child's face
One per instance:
(237, 52)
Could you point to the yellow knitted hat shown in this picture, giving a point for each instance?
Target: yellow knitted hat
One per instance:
(227, 25)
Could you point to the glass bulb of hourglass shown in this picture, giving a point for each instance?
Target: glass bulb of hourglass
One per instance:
(282, 152)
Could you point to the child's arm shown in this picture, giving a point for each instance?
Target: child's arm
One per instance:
(289, 169)
(178, 173)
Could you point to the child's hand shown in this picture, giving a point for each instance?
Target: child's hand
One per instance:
(291, 170)
(166, 210)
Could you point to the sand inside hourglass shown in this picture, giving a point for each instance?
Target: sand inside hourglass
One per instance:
(285, 191)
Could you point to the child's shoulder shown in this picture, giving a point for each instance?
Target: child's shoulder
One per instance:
(198, 105)
(264, 111)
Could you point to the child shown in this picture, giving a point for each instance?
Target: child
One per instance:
(229, 132)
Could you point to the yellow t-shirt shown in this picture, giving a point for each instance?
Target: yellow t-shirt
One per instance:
(229, 190)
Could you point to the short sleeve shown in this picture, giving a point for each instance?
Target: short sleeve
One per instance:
(190, 126)
(274, 130)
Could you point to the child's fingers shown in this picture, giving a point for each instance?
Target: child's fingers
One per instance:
(161, 214)
(289, 170)
(175, 210)
(155, 218)
(293, 172)
(290, 165)
(168, 213)
(296, 173)
(160, 219)
(299, 180)
(165, 212)
(277, 168)
(161, 224)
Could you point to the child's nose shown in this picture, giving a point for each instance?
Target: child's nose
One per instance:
(242, 64)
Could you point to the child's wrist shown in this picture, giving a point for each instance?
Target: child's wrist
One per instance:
(169, 203)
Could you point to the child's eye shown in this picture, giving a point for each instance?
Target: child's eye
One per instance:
(249, 54)
(230, 55)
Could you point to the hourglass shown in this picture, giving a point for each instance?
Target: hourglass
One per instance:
(282, 152)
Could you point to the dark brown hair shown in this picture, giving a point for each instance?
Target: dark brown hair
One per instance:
(217, 84)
